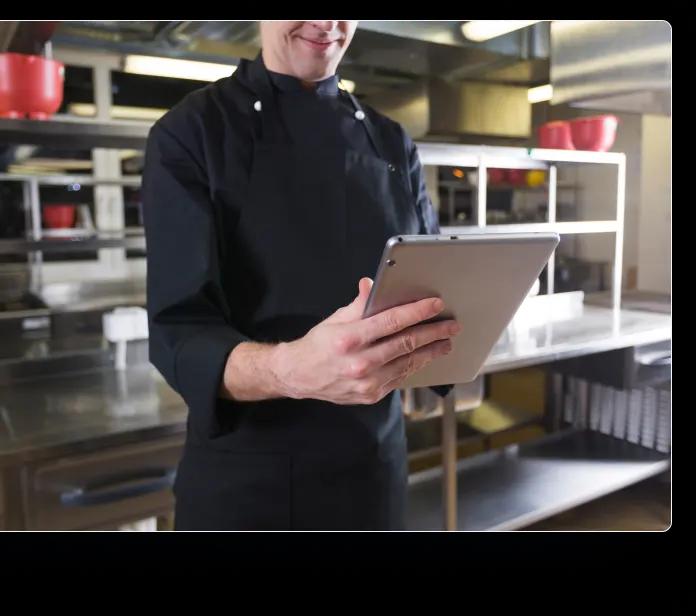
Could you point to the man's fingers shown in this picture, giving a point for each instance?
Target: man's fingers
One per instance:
(395, 319)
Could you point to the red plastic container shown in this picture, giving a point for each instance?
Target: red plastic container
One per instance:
(517, 177)
(59, 215)
(556, 136)
(497, 176)
(30, 86)
(596, 133)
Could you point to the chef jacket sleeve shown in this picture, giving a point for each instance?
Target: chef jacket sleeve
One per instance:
(428, 213)
(418, 187)
(190, 333)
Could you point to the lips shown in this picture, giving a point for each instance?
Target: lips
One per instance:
(318, 45)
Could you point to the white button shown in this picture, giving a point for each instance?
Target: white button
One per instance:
(359, 114)
(257, 105)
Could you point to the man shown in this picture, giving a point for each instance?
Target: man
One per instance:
(267, 196)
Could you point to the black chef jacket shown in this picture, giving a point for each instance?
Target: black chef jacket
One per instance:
(212, 284)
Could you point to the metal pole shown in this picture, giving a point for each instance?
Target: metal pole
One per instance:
(618, 245)
(551, 267)
(35, 217)
(481, 195)
(449, 461)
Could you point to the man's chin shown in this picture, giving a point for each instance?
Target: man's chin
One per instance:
(316, 73)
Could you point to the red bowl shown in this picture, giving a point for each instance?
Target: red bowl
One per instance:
(497, 176)
(596, 133)
(30, 86)
(59, 215)
(518, 177)
(555, 136)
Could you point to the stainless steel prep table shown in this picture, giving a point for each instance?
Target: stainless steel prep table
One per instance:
(46, 418)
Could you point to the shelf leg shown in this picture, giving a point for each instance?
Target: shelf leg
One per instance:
(449, 461)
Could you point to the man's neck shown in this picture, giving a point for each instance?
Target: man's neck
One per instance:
(273, 67)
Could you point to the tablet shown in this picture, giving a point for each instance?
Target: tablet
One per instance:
(483, 278)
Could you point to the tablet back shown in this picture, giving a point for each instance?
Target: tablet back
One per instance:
(482, 278)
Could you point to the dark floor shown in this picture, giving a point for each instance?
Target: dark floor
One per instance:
(643, 506)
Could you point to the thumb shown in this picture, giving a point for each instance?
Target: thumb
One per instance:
(364, 288)
(354, 310)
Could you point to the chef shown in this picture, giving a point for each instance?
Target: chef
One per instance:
(268, 198)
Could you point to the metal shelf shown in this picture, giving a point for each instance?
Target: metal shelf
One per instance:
(79, 133)
(457, 155)
(73, 244)
(470, 188)
(522, 484)
(564, 228)
(62, 179)
(483, 158)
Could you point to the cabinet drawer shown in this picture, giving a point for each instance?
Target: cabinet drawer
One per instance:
(104, 489)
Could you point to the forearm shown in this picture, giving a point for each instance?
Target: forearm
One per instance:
(252, 373)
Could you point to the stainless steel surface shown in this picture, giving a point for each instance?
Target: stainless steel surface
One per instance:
(597, 329)
(461, 155)
(104, 239)
(65, 179)
(593, 331)
(79, 133)
(43, 417)
(612, 65)
(86, 295)
(632, 299)
(460, 108)
(438, 109)
(564, 228)
(521, 484)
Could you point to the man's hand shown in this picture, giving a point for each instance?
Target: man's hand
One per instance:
(345, 359)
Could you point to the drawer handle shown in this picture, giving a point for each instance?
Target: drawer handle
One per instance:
(112, 489)
(655, 359)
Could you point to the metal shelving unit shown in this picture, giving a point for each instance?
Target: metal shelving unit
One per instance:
(37, 241)
(518, 485)
(484, 157)
(458, 498)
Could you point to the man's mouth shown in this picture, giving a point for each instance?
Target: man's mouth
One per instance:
(320, 45)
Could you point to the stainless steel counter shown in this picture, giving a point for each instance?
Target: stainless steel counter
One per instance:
(82, 412)
(594, 330)
(45, 416)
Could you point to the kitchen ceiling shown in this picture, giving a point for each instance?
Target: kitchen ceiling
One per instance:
(382, 55)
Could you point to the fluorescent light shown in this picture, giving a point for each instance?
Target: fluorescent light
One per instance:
(540, 93)
(118, 112)
(180, 69)
(347, 85)
(482, 29)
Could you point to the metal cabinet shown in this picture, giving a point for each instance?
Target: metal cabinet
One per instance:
(101, 490)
